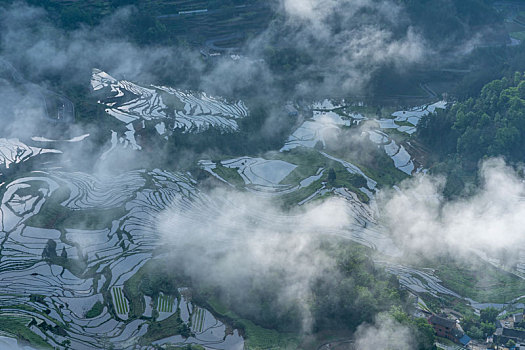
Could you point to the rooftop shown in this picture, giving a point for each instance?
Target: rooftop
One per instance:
(513, 333)
(441, 321)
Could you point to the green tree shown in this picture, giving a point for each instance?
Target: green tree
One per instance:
(50, 250)
(489, 125)
(475, 332)
(521, 89)
(488, 328)
(489, 315)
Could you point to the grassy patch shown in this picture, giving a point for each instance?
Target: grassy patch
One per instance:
(96, 310)
(309, 161)
(353, 182)
(449, 343)
(291, 199)
(229, 174)
(298, 174)
(368, 111)
(173, 325)
(132, 292)
(403, 123)
(258, 338)
(518, 35)
(185, 347)
(17, 326)
(377, 166)
(479, 280)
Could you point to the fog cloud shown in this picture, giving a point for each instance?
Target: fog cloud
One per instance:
(241, 243)
(350, 40)
(385, 333)
(342, 44)
(42, 49)
(490, 220)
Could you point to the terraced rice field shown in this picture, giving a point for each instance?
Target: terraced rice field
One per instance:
(101, 256)
(329, 117)
(163, 108)
(418, 281)
(197, 320)
(258, 174)
(318, 129)
(165, 303)
(13, 151)
(98, 231)
(215, 22)
(208, 331)
(403, 122)
(120, 302)
(406, 121)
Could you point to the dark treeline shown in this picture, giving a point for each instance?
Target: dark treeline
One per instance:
(491, 124)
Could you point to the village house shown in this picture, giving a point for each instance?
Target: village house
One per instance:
(503, 335)
(447, 328)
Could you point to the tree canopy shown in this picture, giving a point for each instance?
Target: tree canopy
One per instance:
(489, 125)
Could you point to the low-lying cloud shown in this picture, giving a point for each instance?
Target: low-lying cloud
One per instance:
(384, 333)
(349, 40)
(491, 220)
(346, 42)
(240, 243)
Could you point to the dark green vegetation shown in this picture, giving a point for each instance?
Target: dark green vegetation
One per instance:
(479, 327)
(309, 161)
(18, 326)
(152, 280)
(229, 174)
(256, 337)
(489, 125)
(372, 160)
(96, 310)
(349, 293)
(419, 327)
(148, 281)
(185, 347)
(356, 279)
(165, 328)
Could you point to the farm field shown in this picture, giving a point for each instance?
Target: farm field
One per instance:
(83, 270)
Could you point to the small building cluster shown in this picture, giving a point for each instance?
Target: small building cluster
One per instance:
(510, 332)
(449, 329)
